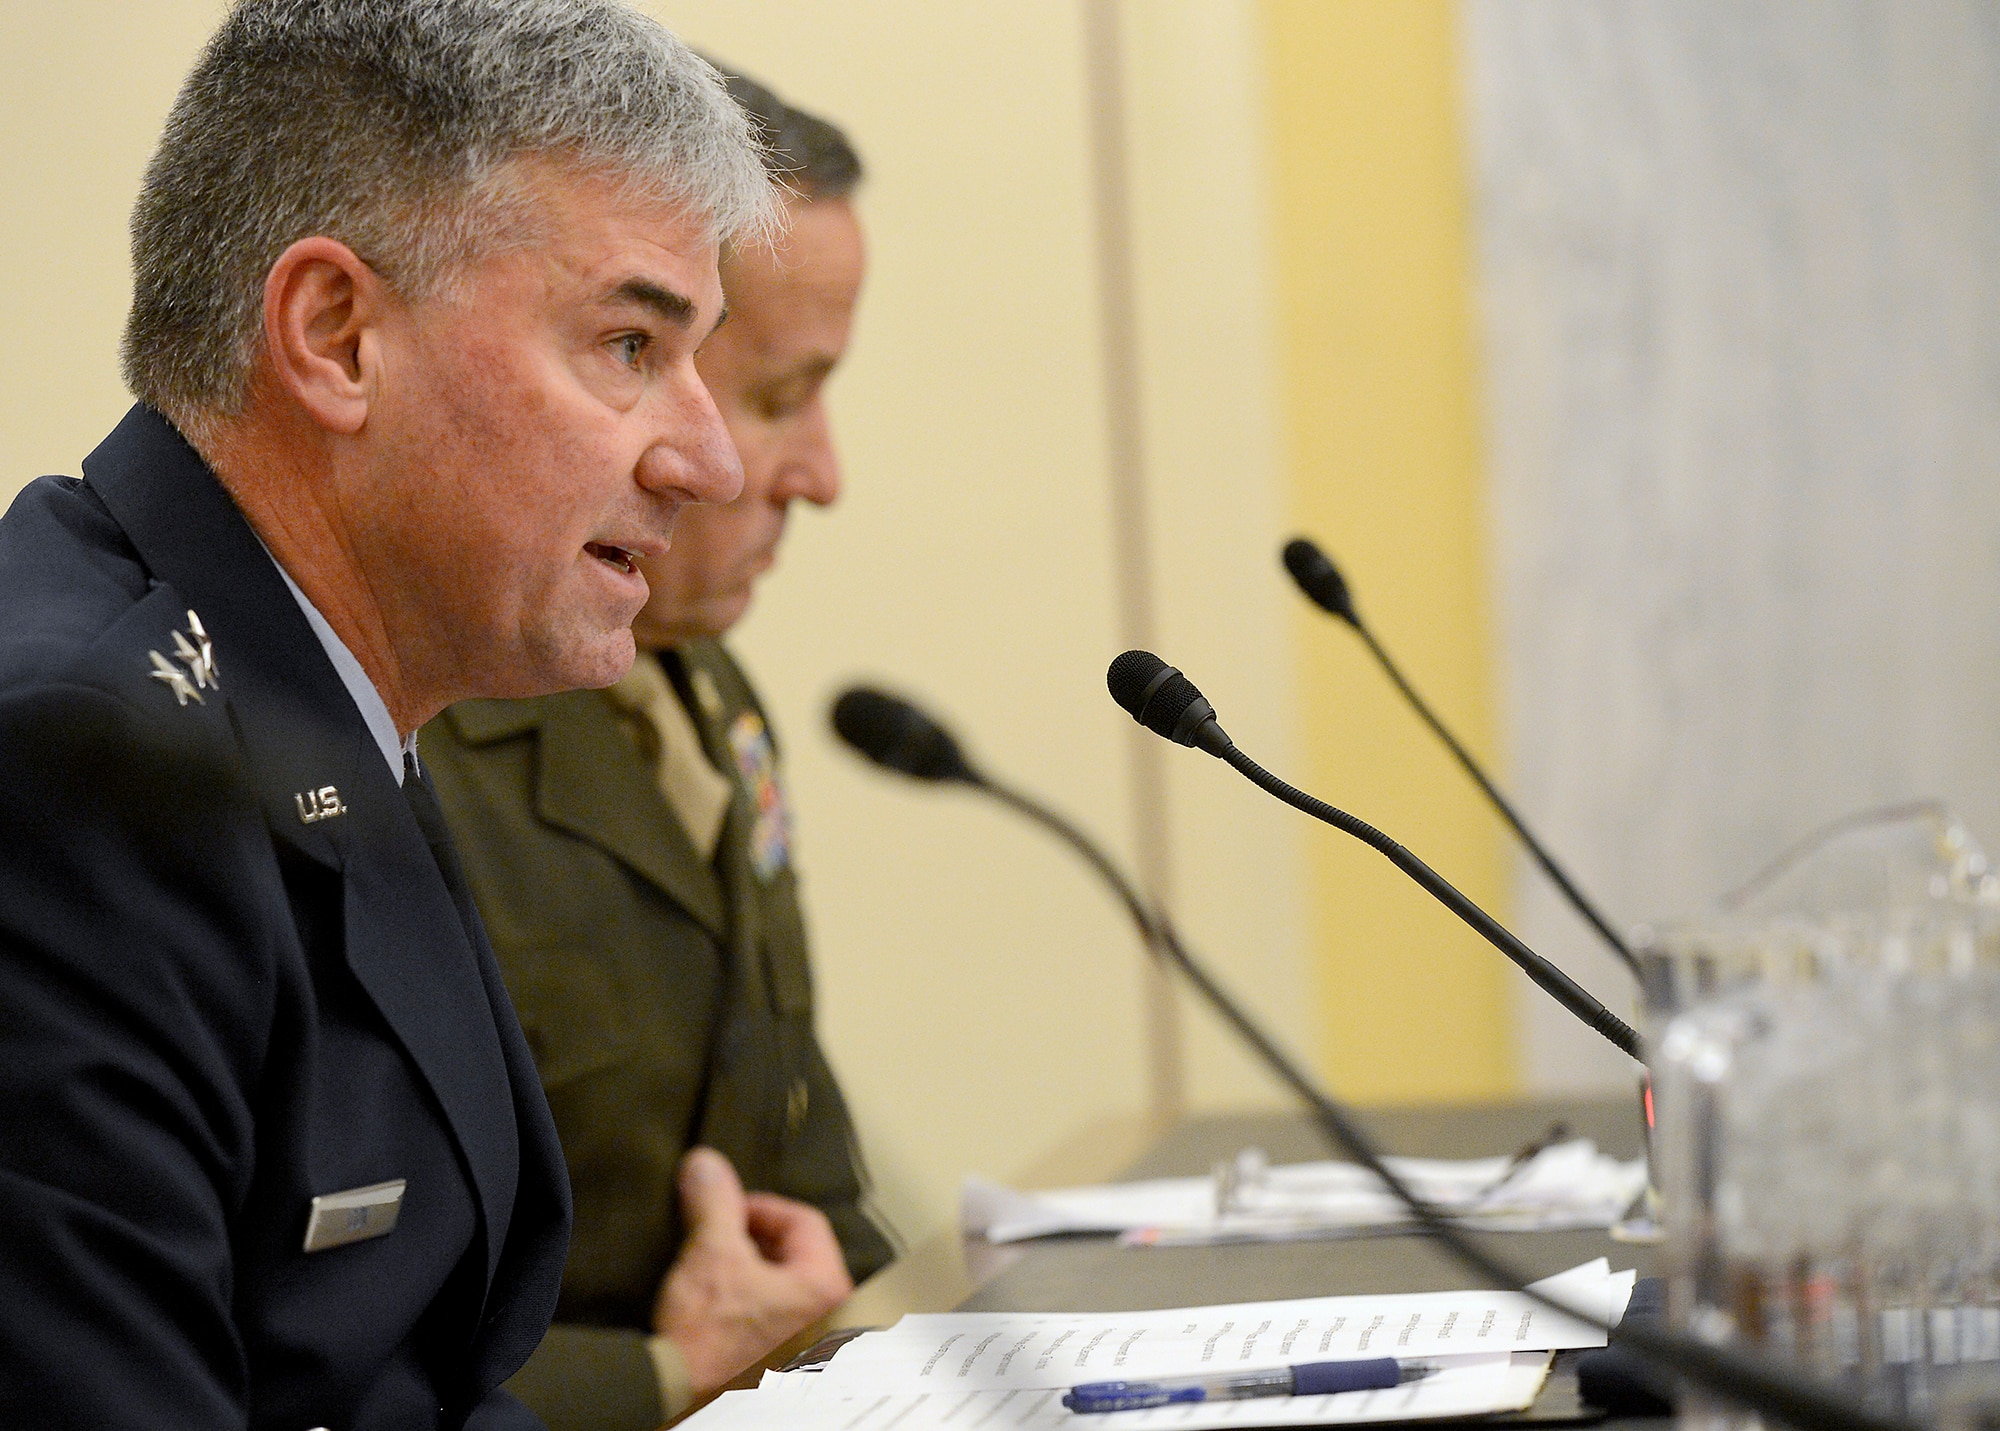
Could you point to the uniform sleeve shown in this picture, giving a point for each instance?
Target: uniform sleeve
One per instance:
(676, 1381)
(822, 1166)
(501, 1410)
(137, 928)
(588, 1378)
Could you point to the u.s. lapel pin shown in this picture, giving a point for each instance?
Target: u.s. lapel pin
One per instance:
(321, 804)
(197, 653)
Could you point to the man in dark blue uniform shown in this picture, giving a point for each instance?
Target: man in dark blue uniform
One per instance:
(418, 285)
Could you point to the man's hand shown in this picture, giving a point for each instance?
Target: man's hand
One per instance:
(756, 1269)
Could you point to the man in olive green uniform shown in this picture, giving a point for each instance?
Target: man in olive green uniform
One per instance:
(630, 852)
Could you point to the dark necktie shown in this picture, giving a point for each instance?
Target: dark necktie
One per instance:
(430, 819)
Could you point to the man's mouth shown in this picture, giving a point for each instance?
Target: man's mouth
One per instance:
(612, 556)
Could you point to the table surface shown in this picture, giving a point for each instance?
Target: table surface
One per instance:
(1095, 1274)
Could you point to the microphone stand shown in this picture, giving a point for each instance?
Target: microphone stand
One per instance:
(1549, 867)
(1314, 573)
(1558, 985)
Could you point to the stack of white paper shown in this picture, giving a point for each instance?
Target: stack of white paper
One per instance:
(994, 1370)
(1570, 1185)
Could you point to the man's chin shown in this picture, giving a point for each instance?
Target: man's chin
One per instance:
(703, 620)
(581, 663)
(607, 667)
(720, 613)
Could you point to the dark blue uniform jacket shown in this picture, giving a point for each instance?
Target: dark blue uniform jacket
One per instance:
(214, 1008)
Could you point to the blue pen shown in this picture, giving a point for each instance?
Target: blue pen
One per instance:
(1315, 1378)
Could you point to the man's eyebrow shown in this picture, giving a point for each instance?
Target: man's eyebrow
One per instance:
(676, 308)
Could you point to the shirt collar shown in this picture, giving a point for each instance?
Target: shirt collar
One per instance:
(374, 710)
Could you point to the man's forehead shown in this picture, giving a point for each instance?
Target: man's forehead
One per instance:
(617, 235)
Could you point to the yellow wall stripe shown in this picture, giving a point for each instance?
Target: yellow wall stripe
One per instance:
(1375, 300)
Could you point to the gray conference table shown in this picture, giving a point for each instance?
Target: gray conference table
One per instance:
(1095, 1274)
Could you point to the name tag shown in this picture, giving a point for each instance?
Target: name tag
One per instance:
(354, 1216)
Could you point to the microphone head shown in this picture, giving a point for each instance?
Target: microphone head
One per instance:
(894, 733)
(1165, 702)
(1320, 579)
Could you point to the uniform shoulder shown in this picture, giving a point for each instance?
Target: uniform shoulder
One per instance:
(480, 722)
(67, 577)
(84, 614)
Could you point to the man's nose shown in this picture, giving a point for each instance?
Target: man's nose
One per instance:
(692, 455)
(810, 468)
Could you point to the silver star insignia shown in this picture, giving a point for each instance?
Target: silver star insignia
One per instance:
(176, 679)
(199, 659)
(199, 656)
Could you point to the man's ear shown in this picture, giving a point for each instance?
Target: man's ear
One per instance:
(322, 307)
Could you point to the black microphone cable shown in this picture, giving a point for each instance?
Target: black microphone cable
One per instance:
(896, 734)
(1321, 582)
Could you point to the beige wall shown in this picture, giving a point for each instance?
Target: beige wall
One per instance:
(84, 86)
(979, 993)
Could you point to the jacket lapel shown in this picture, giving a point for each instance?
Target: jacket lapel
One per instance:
(418, 961)
(589, 770)
(405, 942)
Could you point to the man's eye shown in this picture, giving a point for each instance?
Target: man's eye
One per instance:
(630, 347)
(783, 400)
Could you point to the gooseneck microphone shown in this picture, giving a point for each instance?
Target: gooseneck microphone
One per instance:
(1326, 588)
(896, 734)
(1167, 703)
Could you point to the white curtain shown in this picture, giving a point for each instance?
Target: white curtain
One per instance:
(1741, 275)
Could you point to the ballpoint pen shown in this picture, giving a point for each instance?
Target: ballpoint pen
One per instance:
(1308, 1379)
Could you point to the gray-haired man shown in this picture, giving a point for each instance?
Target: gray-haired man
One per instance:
(629, 850)
(418, 289)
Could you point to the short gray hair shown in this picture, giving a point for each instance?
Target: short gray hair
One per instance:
(393, 126)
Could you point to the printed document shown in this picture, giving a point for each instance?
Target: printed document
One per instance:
(1478, 1386)
(1009, 1370)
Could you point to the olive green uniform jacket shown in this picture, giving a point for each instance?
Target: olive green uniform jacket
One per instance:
(666, 999)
